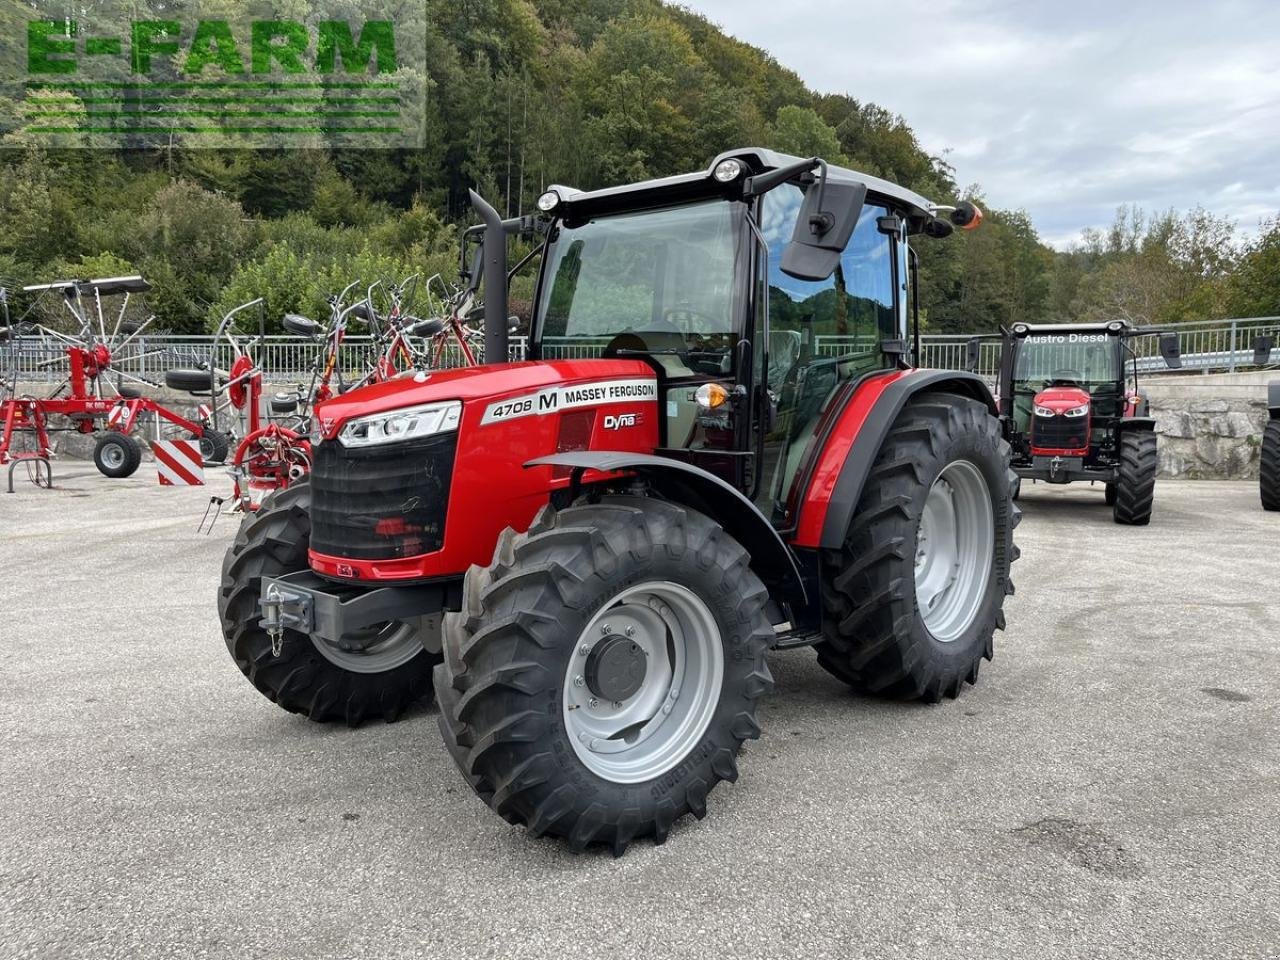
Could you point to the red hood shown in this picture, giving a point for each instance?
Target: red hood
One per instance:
(469, 383)
(1061, 398)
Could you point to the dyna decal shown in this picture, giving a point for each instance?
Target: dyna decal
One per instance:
(556, 399)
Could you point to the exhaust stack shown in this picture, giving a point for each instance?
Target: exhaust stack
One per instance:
(494, 268)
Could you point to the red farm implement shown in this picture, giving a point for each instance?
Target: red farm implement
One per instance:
(91, 392)
(272, 448)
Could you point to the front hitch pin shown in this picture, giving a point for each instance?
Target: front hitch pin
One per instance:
(272, 619)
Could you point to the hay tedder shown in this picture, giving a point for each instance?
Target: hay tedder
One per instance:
(91, 393)
(270, 436)
(719, 446)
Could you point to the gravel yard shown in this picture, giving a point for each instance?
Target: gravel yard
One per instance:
(1110, 788)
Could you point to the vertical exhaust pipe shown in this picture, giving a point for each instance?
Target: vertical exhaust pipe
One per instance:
(494, 266)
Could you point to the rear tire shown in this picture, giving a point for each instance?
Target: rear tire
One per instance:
(1269, 470)
(306, 678)
(524, 730)
(877, 639)
(116, 454)
(1136, 483)
(214, 446)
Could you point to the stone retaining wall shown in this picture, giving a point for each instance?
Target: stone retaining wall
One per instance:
(1210, 427)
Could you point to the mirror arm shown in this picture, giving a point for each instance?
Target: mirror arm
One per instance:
(764, 182)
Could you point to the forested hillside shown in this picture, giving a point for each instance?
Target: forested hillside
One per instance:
(523, 93)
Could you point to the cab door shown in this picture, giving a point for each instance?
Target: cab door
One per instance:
(818, 335)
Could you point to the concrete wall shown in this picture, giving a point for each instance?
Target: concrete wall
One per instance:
(1211, 425)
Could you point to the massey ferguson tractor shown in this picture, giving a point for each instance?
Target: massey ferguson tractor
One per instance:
(716, 447)
(1070, 411)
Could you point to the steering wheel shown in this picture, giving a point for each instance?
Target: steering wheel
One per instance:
(681, 317)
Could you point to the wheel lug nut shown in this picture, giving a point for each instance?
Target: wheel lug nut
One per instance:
(584, 649)
(593, 703)
(578, 681)
(606, 629)
(617, 704)
(631, 631)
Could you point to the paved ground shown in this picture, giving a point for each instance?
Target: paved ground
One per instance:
(1111, 788)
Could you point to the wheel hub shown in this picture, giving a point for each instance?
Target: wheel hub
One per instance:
(615, 668)
(643, 681)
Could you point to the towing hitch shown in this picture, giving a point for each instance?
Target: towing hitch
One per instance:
(306, 603)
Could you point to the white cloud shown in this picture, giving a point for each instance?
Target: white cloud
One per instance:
(1067, 110)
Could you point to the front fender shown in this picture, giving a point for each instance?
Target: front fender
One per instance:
(694, 487)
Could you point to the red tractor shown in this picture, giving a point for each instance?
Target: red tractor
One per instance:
(717, 448)
(1071, 413)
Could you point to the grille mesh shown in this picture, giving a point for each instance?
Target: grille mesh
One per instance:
(383, 502)
(1060, 433)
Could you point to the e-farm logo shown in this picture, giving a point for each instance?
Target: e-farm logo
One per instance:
(247, 82)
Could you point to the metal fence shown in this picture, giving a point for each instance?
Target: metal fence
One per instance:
(1224, 345)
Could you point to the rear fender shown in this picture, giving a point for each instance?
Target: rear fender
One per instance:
(694, 487)
(850, 446)
(1137, 424)
(1273, 399)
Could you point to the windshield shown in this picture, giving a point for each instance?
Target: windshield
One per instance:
(660, 281)
(1088, 360)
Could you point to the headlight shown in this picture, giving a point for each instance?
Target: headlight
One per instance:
(548, 201)
(1045, 411)
(407, 424)
(1079, 411)
(727, 171)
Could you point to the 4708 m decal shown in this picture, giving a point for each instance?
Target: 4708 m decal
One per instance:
(556, 399)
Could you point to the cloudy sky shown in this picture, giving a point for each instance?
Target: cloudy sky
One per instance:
(1064, 109)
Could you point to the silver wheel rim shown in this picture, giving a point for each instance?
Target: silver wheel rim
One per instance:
(112, 456)
(655, 728)
(955, 542)
(375, 649)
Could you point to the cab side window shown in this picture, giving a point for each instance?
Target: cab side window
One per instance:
(820, 334)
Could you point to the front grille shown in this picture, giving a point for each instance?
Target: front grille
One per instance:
(380, 503)
(1060, 433)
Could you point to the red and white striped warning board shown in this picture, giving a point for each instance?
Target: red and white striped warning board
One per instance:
(179, 463)
(117, 414)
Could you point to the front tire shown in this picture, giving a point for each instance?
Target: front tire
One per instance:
(1269, 469)
(116, 454)
(914, 597)
(604, 670)
(1136, 483)
(384, 673)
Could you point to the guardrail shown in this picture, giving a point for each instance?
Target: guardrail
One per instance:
(1226, 345)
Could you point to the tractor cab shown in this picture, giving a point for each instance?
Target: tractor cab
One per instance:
(754, 291)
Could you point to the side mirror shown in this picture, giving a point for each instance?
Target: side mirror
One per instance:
(1262, 351)
(972, 353)
(300, 326)
(425, 328)
(4, 334)
(1171, 351)
(827, 217)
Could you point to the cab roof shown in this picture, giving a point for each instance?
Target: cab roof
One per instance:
(686, 187)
